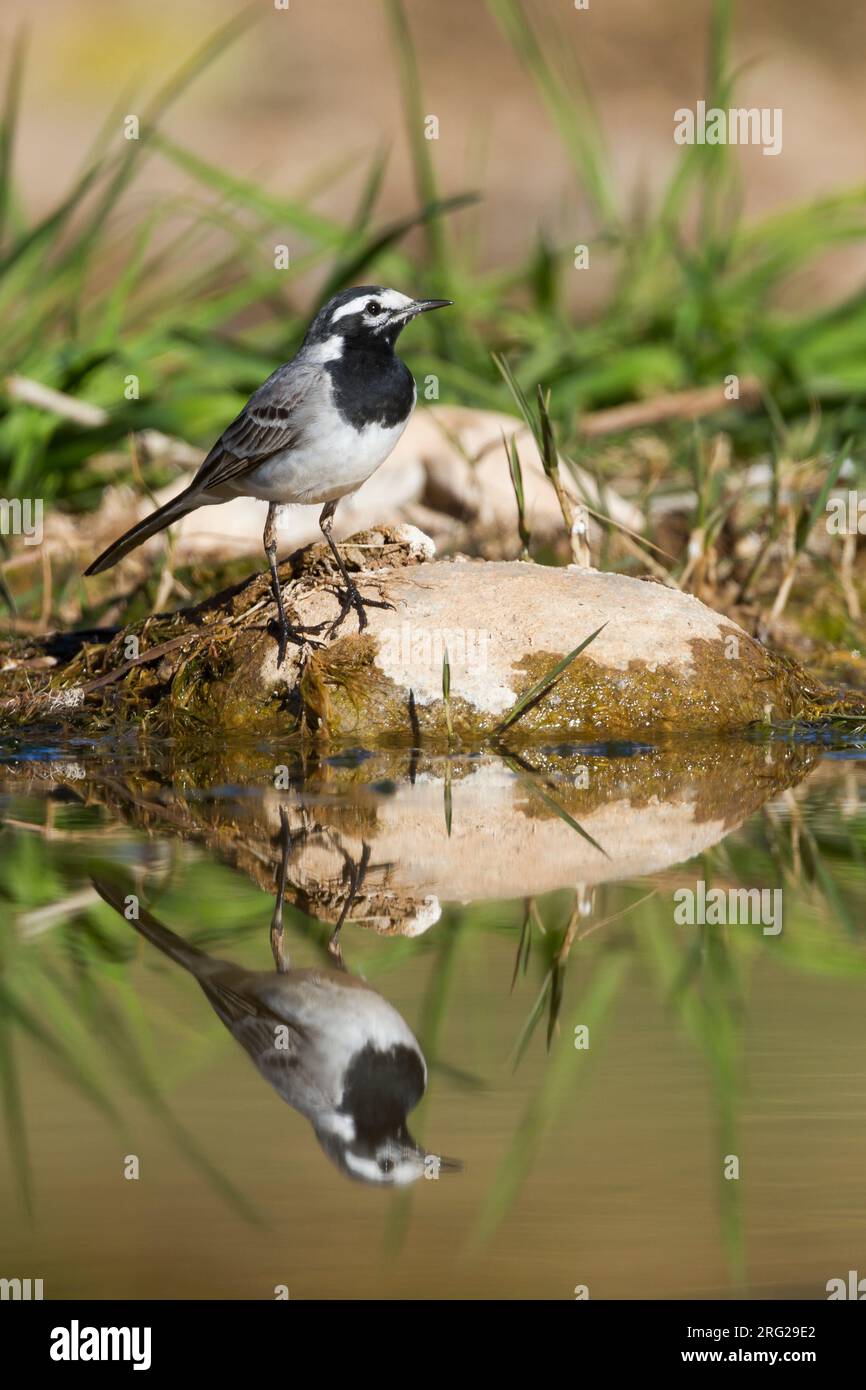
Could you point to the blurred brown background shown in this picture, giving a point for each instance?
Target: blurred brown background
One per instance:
(314, 88)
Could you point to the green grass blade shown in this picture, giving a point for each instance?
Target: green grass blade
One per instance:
(569, 104)
(8, 126)
(420, 147)
(350, 267)
(807, 522)
(542, 686)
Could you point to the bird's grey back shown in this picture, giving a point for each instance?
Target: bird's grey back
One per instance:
(301, 1028)
(278, 416)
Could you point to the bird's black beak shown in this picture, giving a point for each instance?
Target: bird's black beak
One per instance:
(421, 306)
(447, 1165)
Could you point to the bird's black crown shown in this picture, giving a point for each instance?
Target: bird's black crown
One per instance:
(367, 314)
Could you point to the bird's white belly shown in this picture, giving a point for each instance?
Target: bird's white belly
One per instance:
(337, 461)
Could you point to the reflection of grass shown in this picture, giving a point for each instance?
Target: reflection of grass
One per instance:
(13, 1114)
(700, 984)
(564, 1071)
(555, 957)
(699, 981)
(66, 994)
(525, 774)
(65, 989)
(431, 1023)
(111, 1015)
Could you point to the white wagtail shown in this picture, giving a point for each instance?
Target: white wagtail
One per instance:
(331, 1046)
(314, 432)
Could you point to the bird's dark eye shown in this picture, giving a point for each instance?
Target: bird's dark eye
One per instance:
(374, 307)
(386, 1165)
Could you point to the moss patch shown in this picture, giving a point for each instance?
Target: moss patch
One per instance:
(732, 683)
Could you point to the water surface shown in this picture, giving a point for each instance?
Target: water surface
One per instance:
(505, 910)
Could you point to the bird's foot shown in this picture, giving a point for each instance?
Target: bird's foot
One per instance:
(302, 637)
(352, 599)
(335, 951)
(286, 635)
(277, 947)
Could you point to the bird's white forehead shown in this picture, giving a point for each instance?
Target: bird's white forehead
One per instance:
(389, 299)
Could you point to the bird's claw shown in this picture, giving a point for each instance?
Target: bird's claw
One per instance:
(286, 635)
(376, 603)
(299, 637)
(353, 599)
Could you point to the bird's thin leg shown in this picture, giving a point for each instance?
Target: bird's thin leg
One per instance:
(270, 541)
(353, 598)
(277, 919)
(357, 874)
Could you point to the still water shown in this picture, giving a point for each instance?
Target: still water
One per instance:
(384, 1024)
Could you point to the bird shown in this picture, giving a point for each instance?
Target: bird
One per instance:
(319, 426)
(329, 1044)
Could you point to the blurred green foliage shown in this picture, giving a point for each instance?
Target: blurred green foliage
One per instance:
(189, 302)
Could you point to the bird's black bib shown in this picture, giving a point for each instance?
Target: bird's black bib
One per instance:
(371, 387)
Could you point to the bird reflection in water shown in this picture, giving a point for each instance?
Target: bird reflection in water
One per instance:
(331, 1046)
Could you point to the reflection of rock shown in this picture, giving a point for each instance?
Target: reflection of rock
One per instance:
(510, 834)
(663, 661)
(320, 876)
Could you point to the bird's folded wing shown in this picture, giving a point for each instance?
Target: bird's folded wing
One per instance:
(276, 1047)
(236, 1005)
(271, 421)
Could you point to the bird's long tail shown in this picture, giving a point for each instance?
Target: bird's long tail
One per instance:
(186, 501)
(167, 941)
